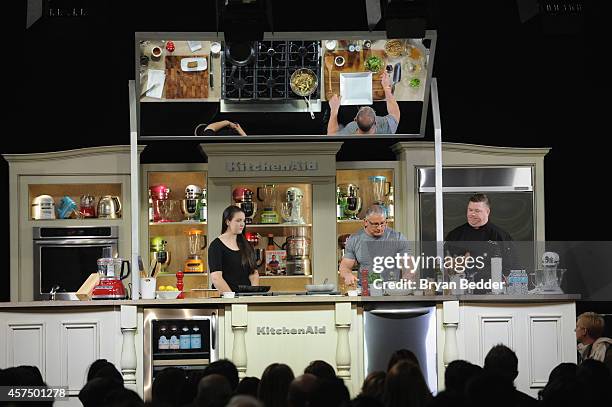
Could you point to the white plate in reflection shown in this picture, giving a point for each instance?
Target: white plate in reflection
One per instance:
(356, 88)
(202, 64)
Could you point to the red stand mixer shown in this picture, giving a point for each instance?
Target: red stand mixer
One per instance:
(161, 204)
(111, 271)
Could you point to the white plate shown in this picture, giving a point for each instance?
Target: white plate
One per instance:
(356, 88)
(202, 65)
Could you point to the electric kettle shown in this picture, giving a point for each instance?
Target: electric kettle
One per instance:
(109, 207)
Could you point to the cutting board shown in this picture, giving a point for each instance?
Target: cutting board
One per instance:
(184, 85)
(354, 62)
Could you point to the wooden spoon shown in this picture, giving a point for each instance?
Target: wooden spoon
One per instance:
(329, 65)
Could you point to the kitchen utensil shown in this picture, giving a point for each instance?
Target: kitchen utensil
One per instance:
(243, 198)
(253, 288)
(239, 54)
(397, 75)
(111, 271)
(320, 287)
(141, 268)
(329, 65)
(267, 194)
(66, 207)
(210, 55)
(291, 210)
(149, 89)
(299, 75)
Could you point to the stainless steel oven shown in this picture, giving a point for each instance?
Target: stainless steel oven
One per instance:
(186, 338)
(65, 256)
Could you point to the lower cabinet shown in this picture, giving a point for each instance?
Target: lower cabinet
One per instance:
(541, 335)
(61, 343)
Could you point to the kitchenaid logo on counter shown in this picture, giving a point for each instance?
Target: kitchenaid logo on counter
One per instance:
(241, 166)
(308, 330)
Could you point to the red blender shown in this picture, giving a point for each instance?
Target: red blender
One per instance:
(110, 286)
(159, 195)
(243, 198)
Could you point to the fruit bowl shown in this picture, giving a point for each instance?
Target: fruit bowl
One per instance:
(166, 295)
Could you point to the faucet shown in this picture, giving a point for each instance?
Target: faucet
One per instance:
(53, 291)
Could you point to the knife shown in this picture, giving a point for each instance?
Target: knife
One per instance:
(397, 75)
(150, 88)
(212, 82)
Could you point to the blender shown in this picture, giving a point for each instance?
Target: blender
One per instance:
(111, 273)
(190, 205)
(88, 206)
(380, 188)
(291, 210)
(350, 193)
(159, 252)
(267, 194)
(243, 198)
(160, 194)
(197, 242)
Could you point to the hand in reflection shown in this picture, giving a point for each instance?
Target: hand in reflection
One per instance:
(334, 103)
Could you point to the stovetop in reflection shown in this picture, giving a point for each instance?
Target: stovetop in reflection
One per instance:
(267, 77)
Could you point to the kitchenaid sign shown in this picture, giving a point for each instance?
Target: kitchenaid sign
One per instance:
(307, 330)
(262, 166)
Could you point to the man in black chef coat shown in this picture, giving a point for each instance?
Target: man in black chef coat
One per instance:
(480, 237)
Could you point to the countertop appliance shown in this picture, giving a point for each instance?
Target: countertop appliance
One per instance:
(111, 271)
(263, 83)
(187, 338)
(414, 328)
(66, 256)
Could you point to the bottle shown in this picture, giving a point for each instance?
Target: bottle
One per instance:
(270, 245)
(196, 338)
(185, 339)
(150, 207)
(203, 206)
(162, 342)
(390, 204)
(339, 208)
(365, 289)
(174, 338)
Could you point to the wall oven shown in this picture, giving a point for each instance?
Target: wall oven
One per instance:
(65, 256)
(184, 338)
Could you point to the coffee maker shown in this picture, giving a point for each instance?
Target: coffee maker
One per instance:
(243, 198)
(197, 242)
(159, 195)
(350, 193)
(298, 255)
(267, 194)
(291, 210)
(111, 271)
(190, 205)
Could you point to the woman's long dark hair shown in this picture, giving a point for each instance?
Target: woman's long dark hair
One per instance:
(247, 254)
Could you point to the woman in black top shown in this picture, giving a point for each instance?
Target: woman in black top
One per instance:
(231, 258)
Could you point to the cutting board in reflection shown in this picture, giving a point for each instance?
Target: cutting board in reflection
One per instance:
(184, 85)
(354, 62)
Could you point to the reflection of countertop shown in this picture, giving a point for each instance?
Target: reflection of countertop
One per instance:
(182, 49)
(403, 92)
(297, 299)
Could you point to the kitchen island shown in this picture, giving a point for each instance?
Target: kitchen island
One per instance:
(62, 338)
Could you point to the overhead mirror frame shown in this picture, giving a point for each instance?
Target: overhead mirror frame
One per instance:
(186, 81)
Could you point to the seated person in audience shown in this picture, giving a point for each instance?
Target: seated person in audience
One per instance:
(503, 361)
(321, 369)
(591, 342)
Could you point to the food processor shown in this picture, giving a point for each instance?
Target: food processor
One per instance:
(111, 273)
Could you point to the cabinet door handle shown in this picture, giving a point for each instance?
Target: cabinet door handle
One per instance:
(213, 330)
(401, 311)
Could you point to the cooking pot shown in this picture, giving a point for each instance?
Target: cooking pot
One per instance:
(239, 54)
(297, 246)
(304, 92)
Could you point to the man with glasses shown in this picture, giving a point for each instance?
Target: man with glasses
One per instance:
(366, 121)
(374, 239)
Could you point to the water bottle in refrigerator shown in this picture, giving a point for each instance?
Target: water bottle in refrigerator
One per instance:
(185, 339)
(196, 338)
(174, 338)
(163, 343)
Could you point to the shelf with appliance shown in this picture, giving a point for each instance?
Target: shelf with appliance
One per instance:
(279, 226)
(176, 231)
(356, 190)
(66, 201)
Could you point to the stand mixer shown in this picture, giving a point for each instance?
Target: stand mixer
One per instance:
(243, 198)
(291, 210)
(159, 252)
(380, 188)
(194, 262)
(191, 204)
(548, 279)
(267, 194)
